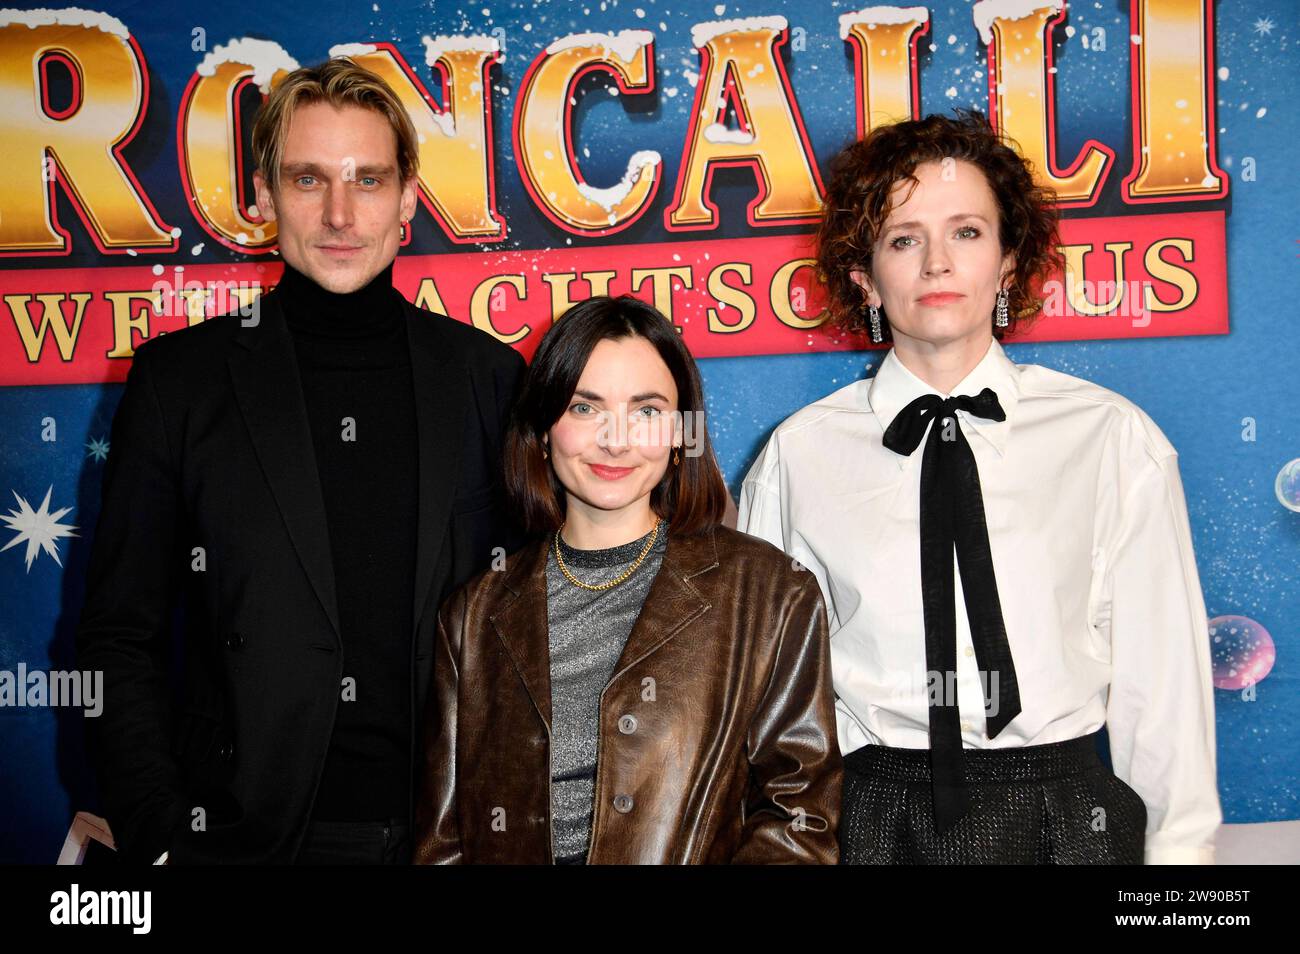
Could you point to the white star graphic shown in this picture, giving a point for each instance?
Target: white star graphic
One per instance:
(1264, 26)
(38, 528)
(98, 449)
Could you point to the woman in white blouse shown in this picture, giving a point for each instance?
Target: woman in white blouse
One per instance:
(1009, 566)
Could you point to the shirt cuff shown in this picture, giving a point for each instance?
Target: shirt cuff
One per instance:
(162, 859)
(1181, 855)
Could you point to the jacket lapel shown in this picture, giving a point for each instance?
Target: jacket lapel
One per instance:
(673, 603)
(269, 390)
(441, 402)
(521, 622)
(264, 372)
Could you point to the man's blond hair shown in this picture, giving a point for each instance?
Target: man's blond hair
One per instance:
(339, 82)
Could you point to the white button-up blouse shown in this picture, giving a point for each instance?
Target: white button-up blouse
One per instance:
(1093, 555)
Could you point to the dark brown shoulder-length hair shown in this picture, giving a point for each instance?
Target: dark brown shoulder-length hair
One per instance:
(692, 496)
(863, 176)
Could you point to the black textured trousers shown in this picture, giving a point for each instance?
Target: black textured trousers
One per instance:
(1037, 804)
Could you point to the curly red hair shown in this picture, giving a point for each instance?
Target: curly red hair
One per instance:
(862, 180)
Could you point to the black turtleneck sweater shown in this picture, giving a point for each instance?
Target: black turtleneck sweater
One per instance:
(355, 364)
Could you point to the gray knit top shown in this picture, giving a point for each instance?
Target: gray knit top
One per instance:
(587, 632)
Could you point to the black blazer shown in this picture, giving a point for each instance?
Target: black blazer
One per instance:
(210, 604)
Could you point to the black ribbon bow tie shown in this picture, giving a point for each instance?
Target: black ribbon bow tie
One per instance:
(952, 515)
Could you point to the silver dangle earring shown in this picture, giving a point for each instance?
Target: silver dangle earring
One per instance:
(1001, 320)
(876, 335)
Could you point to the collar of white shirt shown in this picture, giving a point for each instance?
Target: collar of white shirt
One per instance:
(894, 387)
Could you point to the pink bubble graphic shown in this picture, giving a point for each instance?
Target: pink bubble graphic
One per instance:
(1241, 650)
(1287, 485)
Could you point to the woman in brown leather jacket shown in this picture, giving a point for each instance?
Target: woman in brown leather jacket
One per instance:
(640, 685)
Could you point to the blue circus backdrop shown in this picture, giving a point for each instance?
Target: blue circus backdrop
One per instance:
(1226, 398)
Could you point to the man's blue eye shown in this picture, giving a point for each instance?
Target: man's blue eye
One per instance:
(306, 180)
(371, 179)
(581, 408)
(651, 411)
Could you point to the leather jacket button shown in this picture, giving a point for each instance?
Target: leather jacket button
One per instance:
(235, 641)
(622, 804)
(540, 742)
(627, 724)
(226, 752)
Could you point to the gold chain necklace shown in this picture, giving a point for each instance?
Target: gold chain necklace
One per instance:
(645, 550)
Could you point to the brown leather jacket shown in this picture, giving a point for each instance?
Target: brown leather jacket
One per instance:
(732, 756)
